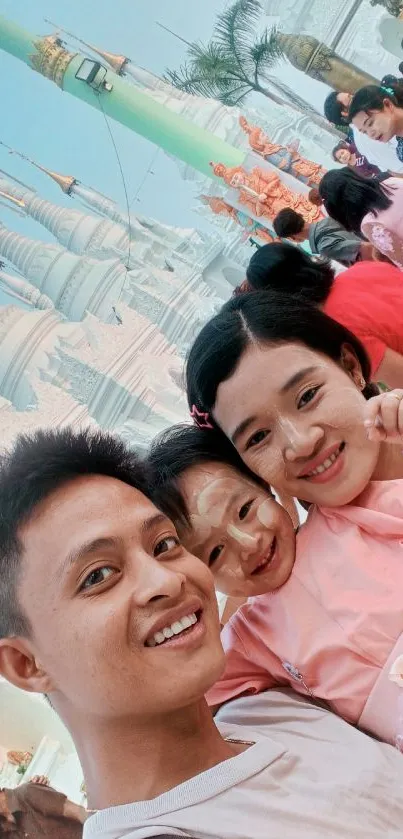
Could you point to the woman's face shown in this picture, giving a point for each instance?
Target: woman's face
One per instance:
(379, 125)
(297, 420)
(237, 529)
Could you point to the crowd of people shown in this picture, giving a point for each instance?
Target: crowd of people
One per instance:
(289, 722)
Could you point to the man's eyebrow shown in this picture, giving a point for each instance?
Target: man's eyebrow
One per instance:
(92, 546)
(86, 549)
(153, 521)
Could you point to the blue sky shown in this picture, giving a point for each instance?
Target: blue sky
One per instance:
(64, 134)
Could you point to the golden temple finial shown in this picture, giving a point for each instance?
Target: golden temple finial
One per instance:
(18, 201)
(51, 59)
(65, 182)
(117, 62)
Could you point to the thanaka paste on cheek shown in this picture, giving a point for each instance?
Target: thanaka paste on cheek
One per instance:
(264, 513)
(244, 539)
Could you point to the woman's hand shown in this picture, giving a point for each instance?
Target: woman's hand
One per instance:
(384, 417)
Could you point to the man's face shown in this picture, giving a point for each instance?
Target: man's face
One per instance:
(345, 100)
(104, 579)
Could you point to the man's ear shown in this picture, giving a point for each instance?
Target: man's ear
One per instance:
(19, 665)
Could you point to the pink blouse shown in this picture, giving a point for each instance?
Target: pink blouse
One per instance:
(385, 230)
(335, 629)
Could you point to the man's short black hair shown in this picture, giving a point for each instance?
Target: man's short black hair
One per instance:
(288, 223)
(37, 466)
(333, 109)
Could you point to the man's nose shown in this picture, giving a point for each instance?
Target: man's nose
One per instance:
(154, 579)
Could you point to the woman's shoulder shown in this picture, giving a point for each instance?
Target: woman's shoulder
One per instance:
(364, 276)
(379, 510)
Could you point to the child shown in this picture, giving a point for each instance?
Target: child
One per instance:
(348, 155)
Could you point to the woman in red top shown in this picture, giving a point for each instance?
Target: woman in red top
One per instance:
(366, 298)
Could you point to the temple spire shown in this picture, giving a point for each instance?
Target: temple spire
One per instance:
(117, 62)
(17, 201)
(23, 290)
(118, 99)
(65, 182)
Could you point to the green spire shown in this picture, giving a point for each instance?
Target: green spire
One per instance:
(125, 103)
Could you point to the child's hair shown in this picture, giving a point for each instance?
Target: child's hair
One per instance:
(268, 318)
(341, 145)
(288, 223)
(178, 449)
(348, 197)
(372, 97)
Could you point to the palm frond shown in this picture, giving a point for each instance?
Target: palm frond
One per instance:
(241, 17)
(187, 80)
(212, 58)
(266, 51)
(228, 67)
(213, 85)
(235, 31)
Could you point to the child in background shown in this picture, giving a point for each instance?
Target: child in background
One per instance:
(348, 155)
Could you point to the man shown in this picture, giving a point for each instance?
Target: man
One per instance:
(383, 155)
(326, 237)
(36, 810)
(105, 612)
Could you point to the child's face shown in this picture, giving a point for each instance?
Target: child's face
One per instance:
(237, 529)
(343, 156)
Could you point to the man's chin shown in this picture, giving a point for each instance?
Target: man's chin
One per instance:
(211, 673)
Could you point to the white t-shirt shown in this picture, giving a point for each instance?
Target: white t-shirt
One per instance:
(309, 775)
(382, 155)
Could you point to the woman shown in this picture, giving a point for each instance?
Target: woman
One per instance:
(366, 298)
(288, 387)
(378, 113)
(368, 208)
(348, 155)
(230, 520)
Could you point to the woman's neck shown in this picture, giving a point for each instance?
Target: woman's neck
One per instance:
(399, 122)
(390, 462)
(131, 760)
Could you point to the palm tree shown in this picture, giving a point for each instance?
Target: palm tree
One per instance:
(235, 63)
